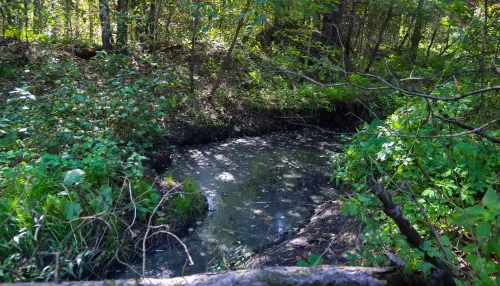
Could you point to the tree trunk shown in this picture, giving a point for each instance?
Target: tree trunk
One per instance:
(320, 275)
(227, 57)
(91, 23)
(77, 20)
(122, 28)
(171, 9)
(359, 36)
(105, 25)
(193, 54)
(36, 16)
(405, 37)
(152, 25)
(417, 31)
(332, 25)
(483, 42)
(347, 45)
(433, 37)
(380, 38)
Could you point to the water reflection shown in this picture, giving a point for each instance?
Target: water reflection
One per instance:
(259, 190)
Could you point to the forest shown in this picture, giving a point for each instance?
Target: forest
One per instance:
(98, 98)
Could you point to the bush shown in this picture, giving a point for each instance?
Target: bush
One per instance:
(454, 179)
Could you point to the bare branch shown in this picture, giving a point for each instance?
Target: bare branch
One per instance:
(477, 131)
(496, 69)
(391, 86)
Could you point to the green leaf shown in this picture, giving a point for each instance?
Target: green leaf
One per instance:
(364, 198)
(302, 263)
(73, 176)
(469, 248)
(445, 240)
(475, 210)
(315, 259)
(483, 230)
(80, 98)
(70, 210)
(426, 246)
(490, 199)
(426, 267)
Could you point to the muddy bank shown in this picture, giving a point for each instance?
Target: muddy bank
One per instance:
(242, 122)
(328, 233)
(238, 121)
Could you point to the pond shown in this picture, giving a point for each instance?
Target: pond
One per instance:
(260, 190)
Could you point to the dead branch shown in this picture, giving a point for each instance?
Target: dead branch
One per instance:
(393, 210)
(167, 195)
(472, 129)
(320, 275)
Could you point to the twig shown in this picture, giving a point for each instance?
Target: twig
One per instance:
(131, 200)
(126, 264)
(496, 69)
(391, 86)
(471, 128)
(167, 194)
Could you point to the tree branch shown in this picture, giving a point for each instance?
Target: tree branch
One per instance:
(390, 86)
(472, 129)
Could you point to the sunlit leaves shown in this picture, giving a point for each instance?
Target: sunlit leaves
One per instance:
(73, 176)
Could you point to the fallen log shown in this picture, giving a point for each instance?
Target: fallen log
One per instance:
(320, 275)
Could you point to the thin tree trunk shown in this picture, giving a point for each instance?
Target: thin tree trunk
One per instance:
(70, 25)
(347, 45)
(91, 23)
(361, 30)
(26, 20)
(433, 37)
(156, 30)
(193, 54)
(105, 25)
(122, 28)
(380, 38)
(151, 24)
(77, 16)
(171, 9)
(3, 23)
(483, 43)
(36, 16)
(332, 25)
(392, 210)
(417, 32)
(405, 37)
(227, 57)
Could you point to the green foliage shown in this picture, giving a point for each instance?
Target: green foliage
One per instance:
(186, 205)
(452, 177)
(313, 260)
(71, 169)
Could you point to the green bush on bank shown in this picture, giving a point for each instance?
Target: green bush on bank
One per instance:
(454, 178)
(71, 172)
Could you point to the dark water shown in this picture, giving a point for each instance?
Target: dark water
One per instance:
(260, 190)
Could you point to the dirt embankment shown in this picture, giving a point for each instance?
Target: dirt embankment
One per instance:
(239, 121)
(328, 234)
